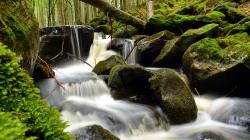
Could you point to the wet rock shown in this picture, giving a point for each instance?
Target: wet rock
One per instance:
(148, 48)
(207, 135)
(171, 54)
(94, 132)
(137, 38)
(233, 111)
(174, 96)
(104, 67)
(58, 42)
(127, 81)
(220, 66)
(180, 23)
(233, 15)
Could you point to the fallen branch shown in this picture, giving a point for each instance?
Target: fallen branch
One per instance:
(119, 15)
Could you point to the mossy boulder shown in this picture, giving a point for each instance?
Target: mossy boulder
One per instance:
(148, 48)
(19, 30)
(220, 65)
(20, 97)
(180, 23)
(233, 15)
(128, 81)
(104, 67)
(173, 96)
(94, 132)
(171, 53)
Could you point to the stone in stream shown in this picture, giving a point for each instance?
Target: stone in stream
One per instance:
(62, 42)
(104, 67)
(233, 111)
(207, 135)
(173, 96)
(149, 47)
(171, 53)
(220, 66)
(127, 81)
(94, 132)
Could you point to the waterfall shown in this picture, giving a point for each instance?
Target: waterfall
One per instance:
(84, 100)
(129, 51)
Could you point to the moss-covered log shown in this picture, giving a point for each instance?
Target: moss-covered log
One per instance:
(116, 13)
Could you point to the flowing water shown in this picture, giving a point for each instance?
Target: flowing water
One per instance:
(84, 100)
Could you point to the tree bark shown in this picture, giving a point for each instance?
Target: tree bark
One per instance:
(119, 15)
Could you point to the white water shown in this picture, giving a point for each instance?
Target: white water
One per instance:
(85, 100)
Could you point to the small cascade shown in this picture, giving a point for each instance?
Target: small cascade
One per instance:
(126, 48)
(129, 51)
(74, 38)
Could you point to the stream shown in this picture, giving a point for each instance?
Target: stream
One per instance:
(84, 99)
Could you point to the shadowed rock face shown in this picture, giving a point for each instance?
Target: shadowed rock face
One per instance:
(60, 41)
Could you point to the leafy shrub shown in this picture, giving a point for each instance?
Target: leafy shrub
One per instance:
(19, 96)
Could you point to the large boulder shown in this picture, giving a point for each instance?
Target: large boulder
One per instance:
(220, 65)
(93, 132)
(127, 81)
(19, 30)
(174, 96)
(179, 23)
(148, 48)
(171, 54)
(61, 42)
(104, 67)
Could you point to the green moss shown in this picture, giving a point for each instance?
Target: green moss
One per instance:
(179, 23)
(19, 29)
(19, 96)
(11, 128)
(104, 67)
(233, 14)
(171, 54)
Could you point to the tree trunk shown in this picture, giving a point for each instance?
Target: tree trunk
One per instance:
(119, 15)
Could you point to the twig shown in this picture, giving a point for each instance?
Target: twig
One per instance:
(48, 67)
(61, 52)
(197, 92)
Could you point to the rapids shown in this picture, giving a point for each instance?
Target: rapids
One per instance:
(84, 100)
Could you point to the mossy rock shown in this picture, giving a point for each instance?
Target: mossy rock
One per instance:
(180, 23)
(148, 48)
(128, 81)
(233, 15)
(196, 8)
(104, 67)
(171, 54)
(19, 30)
(241, 26)
(94, 132)
(220, 64)
(173, 96)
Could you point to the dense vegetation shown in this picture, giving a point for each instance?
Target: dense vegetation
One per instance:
(21, 106)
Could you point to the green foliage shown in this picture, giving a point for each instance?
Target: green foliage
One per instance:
(19, 96)
(11, 128)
